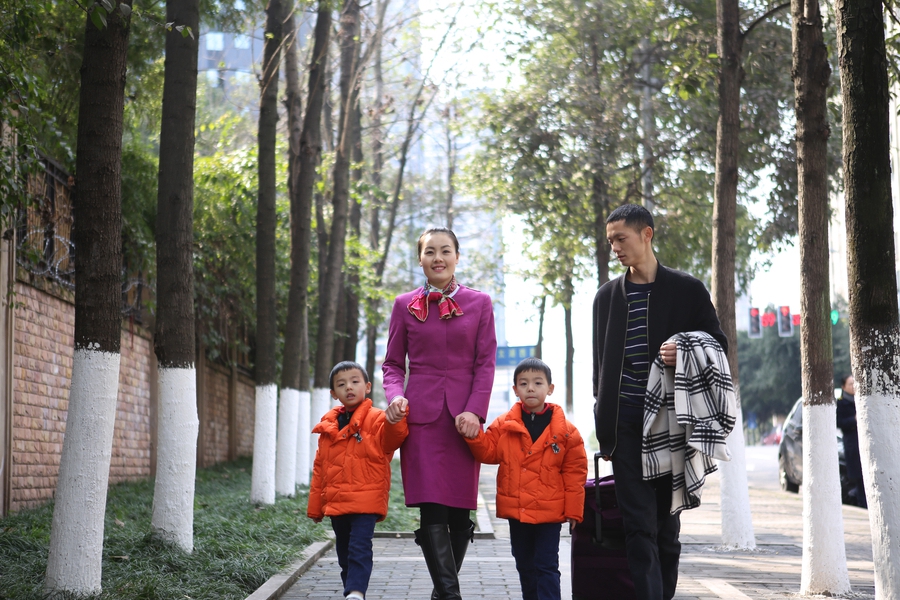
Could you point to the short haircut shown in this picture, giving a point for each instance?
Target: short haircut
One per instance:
(346, 365)
(431, 230)
(844, 379)
(532, 364)
(635, 216)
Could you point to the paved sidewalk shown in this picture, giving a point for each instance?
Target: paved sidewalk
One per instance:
(707, 572)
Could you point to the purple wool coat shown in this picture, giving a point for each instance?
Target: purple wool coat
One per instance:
(451, 370)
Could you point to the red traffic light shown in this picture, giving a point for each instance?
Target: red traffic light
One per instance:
(754, 312)
(785, 310)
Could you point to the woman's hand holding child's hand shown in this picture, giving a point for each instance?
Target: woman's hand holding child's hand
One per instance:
(397, 410)
(468, 424)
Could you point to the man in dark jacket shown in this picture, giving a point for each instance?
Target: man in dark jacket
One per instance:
(634, 315)
(846, 422)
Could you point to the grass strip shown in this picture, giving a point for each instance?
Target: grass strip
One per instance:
(237, 545)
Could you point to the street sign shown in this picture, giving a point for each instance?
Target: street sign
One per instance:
(510, 356)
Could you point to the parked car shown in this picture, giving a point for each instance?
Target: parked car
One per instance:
(773, 438)
(790, 455)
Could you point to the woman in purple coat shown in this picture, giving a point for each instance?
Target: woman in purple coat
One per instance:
(446, 333)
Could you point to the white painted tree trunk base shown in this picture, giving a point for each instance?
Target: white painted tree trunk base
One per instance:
(824, 563)
(76, 534)
(878, 423)
(176, 462)
(321, 404)
(262, 479)
(286, 458)
(304, 427)
(737, 522)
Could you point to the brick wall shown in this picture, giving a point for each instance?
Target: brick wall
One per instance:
(42, 372)
(215, 430)
(246, 414)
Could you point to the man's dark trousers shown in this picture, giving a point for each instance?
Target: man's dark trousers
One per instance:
(651, 533)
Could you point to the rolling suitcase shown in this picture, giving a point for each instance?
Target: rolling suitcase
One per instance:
(599, 566)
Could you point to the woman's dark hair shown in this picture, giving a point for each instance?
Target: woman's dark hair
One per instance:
(533, 364)
(431, 230)
(844, 379)
(635, 216)
(347, 365)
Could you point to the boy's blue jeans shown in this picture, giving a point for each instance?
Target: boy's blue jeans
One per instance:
(536, 550)
(353, 544)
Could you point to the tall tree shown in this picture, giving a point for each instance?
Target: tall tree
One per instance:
(352, 281)
(737, 526)
(295, 370)
(824, 566)
(264, 436)
(377, 129)
(874, 319)
(330, 289)
(175, 343)
(291, 399)
(76, 534)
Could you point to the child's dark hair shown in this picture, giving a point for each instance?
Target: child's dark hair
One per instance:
(532, 364)
(635, 216)
(432, 230)
(347, 365)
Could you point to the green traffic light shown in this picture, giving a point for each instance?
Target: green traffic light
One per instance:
(835, 316)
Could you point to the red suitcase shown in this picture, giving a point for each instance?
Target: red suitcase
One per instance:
(599, 566)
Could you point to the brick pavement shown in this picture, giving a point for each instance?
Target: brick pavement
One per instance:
(707, 571)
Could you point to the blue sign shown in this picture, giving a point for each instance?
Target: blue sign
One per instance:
(510, 356)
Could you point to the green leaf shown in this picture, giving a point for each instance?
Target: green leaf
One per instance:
(98, 17)
(125, 10)
(186, 31)
(108, 5)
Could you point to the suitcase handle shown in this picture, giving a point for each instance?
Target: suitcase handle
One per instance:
(598, 525)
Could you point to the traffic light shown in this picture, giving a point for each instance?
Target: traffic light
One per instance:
(755, 330)
(785, 322)
(835, 317)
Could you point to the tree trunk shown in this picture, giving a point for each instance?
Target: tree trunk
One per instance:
(264, 436)
(373, 316)
(824, 565)
(600, 202)
(351, 329)
(451, 168)
(542, 310)
(291, 429)
(737, 526)
(874, 328)
(305, 152)
(178, 424)
(570, 362)
(76, 534)
(349, 36)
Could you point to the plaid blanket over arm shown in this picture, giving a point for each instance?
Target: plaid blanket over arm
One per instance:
(688, 413)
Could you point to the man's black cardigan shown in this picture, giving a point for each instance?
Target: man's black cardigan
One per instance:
(678, 303)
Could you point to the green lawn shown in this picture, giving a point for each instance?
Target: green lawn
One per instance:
(237, 546)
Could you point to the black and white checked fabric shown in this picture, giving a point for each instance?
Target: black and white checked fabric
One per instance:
(689, 410)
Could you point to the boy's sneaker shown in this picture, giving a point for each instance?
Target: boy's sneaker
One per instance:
(355, 596)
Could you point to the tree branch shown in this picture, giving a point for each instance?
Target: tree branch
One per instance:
(765, 16)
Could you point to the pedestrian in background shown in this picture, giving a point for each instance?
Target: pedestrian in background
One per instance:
(634, 315)
(351, 479)
(846, 422)
(442, 337)
(540, 482)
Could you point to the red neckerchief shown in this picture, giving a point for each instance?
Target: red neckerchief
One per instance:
(446, 304)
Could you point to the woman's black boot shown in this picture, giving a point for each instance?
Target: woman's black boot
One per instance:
(459, 543)
(436, 547)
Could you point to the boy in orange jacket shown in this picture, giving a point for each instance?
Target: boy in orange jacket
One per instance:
(351, 478)
(540, 483)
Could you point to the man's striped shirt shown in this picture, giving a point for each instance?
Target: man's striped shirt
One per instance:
(636, 365)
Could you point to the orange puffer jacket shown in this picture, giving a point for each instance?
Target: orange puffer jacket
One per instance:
(352, 469)
(540, 482)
